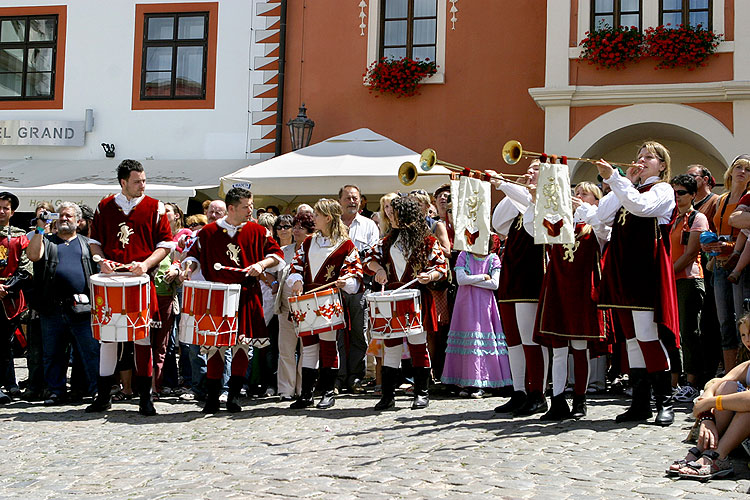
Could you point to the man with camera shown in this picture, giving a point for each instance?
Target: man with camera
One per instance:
(15, 271)
(62, 267)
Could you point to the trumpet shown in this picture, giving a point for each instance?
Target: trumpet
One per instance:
(513, 152)
(408, 173)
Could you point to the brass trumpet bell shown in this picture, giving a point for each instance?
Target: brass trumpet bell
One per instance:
(513, 152)
(408, 173)
(428, 159)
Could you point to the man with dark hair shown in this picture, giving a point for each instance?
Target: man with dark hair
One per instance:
(84, 223)
(63, 265)
(235, 241)
(15, 272)
(130, 228)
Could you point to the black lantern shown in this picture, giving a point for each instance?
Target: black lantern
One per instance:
(300, 129)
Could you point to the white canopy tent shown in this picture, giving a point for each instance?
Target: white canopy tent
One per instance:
(362, 157)
(88, 181)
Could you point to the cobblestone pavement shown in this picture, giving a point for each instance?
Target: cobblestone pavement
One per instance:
(454, 448)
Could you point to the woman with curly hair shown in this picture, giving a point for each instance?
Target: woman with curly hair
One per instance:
(328, 255)
(406, 253)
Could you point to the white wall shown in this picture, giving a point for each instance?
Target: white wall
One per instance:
(99, 75)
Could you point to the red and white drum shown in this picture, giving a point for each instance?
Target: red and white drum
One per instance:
(209, 313)
(317, 312)
(394, 314)
(120, 311)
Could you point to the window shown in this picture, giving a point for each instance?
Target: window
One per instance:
(32, 57)
(692, 12)
(615, 12)
(175, 56)
(408, 28)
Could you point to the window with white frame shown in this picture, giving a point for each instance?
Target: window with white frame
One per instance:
(408, 28)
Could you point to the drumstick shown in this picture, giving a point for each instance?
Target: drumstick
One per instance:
(218, 266)
(405, 285)
(113, 264)
(321, 287)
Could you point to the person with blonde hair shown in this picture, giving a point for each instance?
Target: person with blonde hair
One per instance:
(385, 213)
(327, 257)
(637, 275)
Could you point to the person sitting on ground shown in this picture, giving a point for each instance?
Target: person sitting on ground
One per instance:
(723, 411)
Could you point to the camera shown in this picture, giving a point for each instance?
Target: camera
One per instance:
(49, 216)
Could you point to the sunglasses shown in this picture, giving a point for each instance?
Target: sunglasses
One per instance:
(284, 227)
(680, 192)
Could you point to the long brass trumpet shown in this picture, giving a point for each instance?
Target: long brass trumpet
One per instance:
(408, 173)
(513, 152)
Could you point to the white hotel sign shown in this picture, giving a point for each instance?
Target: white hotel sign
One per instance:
(41, 133)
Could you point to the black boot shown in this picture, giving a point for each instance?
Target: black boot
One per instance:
(233, 398)
(390, 377)
(640, 406)
(558, 409)
(103, 401)
(421, 383)
(535, 403)
(213, 391)
(328, 383)
(579, 406)
(145, 404)
(662, 384)
(517, 399)
(309, 377)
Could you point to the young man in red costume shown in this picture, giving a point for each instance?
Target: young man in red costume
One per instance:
(235, 241)
(130, 228)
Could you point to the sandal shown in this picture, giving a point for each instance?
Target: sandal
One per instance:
(707, 467)
(122, 396)
(674, 468)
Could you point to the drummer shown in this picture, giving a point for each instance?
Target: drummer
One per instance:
(406, 253)
(326, 257)
(131, 228)
(235, 241)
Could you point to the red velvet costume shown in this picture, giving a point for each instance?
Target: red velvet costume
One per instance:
(132, 238)
(567, 306)
(254, 243)
(630, 282)
(343, 262)
(436, 262)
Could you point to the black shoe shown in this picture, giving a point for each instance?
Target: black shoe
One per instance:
(213, 390)
(327, 401)
(662, 384)
(357, 388)
(517, 399)
(54, 400)
(145, 403)
(4, 398)
(535, 403)
(421, 396)
(233, 398)
(328, 383)
(103, 400)
(31, 396)
(389, 379)
(579, 407)
(558, 410)
(305, 400)
(640, 405)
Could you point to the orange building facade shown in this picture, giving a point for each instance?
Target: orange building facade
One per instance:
(511, 70)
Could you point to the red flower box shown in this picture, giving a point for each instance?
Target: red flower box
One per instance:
(400, 77)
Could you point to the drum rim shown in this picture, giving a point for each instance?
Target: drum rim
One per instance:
(230, 287)
(121, 278)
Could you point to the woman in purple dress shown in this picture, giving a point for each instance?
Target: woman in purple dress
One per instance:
(477, 356)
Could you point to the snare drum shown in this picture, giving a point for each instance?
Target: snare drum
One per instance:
(209, 313)
(317, 312)
(120, 311)
(394, 314)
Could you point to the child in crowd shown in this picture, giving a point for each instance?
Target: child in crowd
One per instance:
(476, 357)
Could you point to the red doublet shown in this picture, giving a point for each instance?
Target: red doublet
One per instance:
(250, 244)
(337, 265)
(637, 273)
(522, 266)
(567, 309)
(133, 237)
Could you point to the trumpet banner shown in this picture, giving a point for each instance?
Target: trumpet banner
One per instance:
(471, 202)
(553, 210)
